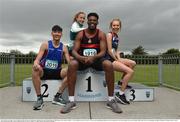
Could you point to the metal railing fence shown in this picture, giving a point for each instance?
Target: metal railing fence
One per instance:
(171, 70)
(150, 69)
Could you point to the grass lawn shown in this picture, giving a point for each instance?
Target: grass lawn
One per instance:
(146, 74)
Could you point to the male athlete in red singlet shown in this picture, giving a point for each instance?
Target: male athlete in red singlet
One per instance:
(89, 50)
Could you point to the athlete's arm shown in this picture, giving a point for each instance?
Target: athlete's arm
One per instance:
(103, 45)
(43, 47)
(76, 48)
(118, 55)
(66, 53)
(109, 46)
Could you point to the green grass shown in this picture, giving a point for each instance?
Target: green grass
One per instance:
(22, 71)
(145, 74)
(4, 74)
(171, 75)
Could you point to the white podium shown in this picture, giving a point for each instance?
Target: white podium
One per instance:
(48, 89)
(89, 87)
(138, 92)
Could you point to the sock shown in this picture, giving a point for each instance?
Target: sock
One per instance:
(58, 94)
(39, 96)
(71, 98)
(110, 98)
(121, 92)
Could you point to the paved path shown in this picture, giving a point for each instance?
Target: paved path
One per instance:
(165, 106)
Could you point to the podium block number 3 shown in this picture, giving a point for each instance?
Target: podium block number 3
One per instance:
(132, 94)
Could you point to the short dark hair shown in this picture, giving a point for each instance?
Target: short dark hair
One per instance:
(57, 28)
(93, 14)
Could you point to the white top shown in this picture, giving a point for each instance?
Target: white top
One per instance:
(76, 27)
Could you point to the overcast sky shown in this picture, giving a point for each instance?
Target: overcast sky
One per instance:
(154, 24)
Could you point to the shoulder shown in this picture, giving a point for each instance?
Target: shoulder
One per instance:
(80, 33)
(100, 31)
(44, 45)
(75, 24)
(101, 34)
(109, 34)
(64, 46)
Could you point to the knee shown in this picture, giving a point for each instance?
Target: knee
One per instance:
(35, 74)
(131, 72)
(133, 64)
(107, 66)
(73, 65)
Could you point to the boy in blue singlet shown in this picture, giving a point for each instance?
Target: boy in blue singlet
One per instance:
(47, 65)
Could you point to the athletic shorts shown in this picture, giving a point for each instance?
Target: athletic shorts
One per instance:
(70, 52)
(108, 57)
(70, 48)
(51, 74)
(97, 65)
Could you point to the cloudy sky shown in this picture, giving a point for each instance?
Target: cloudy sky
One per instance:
(154, 24)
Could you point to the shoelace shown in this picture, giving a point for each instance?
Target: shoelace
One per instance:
(68, 104)
(113, 101)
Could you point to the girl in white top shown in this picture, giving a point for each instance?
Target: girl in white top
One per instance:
(76, 27)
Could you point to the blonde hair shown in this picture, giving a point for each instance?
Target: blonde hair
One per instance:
(110, 26)
(76, 15)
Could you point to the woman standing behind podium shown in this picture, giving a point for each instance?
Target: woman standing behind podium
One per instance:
(119, 64)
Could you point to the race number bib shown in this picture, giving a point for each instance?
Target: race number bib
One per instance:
(89, 52)
(50, 64)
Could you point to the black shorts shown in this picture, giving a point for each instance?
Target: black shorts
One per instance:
(70, 50)
(108, 57)
(97, 65)
(51, 74)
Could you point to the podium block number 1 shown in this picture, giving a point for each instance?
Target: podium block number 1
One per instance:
(89, 84)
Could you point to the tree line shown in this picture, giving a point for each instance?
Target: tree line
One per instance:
(139, 50)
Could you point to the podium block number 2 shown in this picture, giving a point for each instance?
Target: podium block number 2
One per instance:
(46, 88)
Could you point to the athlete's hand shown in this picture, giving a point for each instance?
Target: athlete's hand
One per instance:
(89, 60)
(82, 59)
(36, 66)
